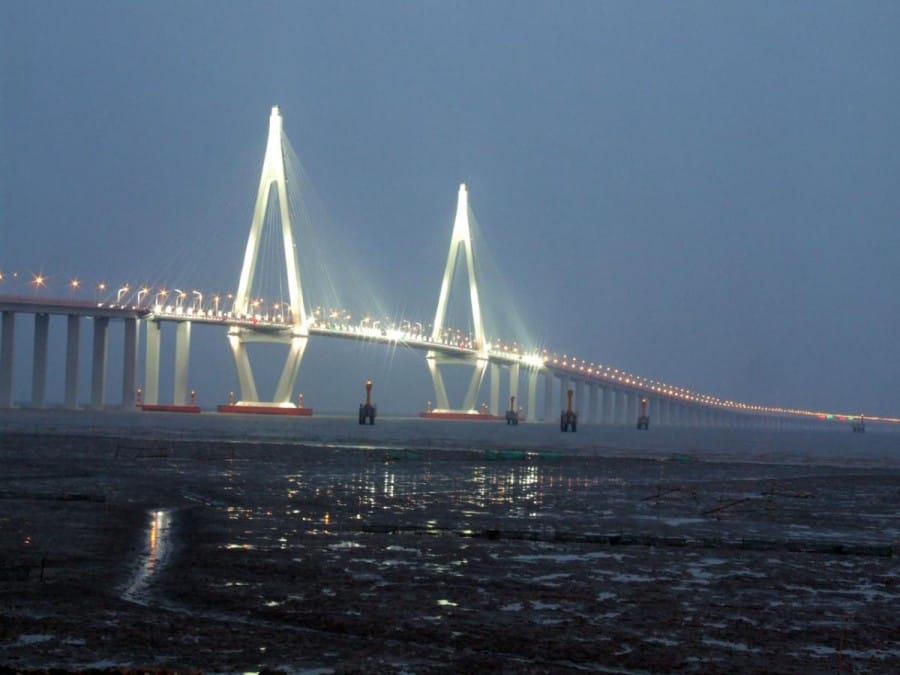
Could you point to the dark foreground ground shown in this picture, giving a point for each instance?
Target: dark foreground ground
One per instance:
(244, 556)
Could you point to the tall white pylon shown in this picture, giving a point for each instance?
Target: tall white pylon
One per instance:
(297, 336)
(460, 239)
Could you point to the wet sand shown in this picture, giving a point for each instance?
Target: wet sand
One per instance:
(253, 554)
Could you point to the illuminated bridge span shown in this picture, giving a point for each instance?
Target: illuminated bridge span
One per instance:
(602, 394)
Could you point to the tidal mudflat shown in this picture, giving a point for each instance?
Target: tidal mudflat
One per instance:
(131, 540)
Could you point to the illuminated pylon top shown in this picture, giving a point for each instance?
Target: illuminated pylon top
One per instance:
(272, 172)
(462, 237)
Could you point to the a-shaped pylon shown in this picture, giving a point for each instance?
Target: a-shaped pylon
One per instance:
(297, 335)
(460, 239)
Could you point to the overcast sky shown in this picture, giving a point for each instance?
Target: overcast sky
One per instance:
(704, 193)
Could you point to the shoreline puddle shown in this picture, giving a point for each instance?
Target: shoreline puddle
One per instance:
(157, 547)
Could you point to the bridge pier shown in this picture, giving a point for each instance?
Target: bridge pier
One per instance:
(619, 411)
(98, 368)
(563, 388)
(548, 396)
(7, 358)
(73, 335)
(653, 410)
(685, 414)
(129, 361)
(680, 411)
(631, 417)
(580, 408)
(594, 410)
(39, 360)
(182, 354)
(495, 389)
(514, 381)
(531, 413)
(609, 395)
(151, 362)
(662, 405)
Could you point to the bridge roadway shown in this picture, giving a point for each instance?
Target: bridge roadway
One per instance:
(602, 394)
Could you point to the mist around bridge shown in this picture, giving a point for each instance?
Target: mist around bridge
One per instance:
(701, 195)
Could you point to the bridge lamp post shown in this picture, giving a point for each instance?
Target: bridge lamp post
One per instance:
(122, 292)
(101, 288)
(161, 298)
(179, 299)
(141, 294)
(198, 303)
(216, 304)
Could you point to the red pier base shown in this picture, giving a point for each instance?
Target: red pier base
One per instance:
(265, 410)
(151, 407)
(461, 415)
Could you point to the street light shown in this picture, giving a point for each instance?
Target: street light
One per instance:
(141, 293)
(122, 291)
(198, 305)
(38, 280)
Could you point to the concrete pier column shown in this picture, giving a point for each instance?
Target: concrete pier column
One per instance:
(182, 354)
(609, 405)
(632, 415)
(129, 362)
(39, 360)
(151, 364)
(548, 396)
(7, 358)
(594, 410)
(580, 408)
(495, 389)
(678, 415)
(531, 412)
(98, 364)
(621, 408)
(653, 407)
(73, 338)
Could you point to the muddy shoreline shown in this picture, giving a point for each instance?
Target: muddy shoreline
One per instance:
(340, 559)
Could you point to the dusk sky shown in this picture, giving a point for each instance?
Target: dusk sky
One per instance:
(703, 193)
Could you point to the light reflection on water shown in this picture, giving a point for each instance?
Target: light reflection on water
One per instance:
(277, 510)
(156, 551)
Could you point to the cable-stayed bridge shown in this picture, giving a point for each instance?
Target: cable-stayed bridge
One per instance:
(602, 394)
